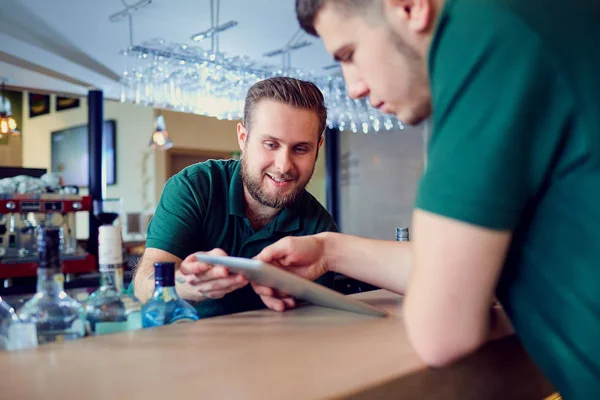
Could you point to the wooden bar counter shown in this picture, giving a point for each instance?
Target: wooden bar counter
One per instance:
(307, 353)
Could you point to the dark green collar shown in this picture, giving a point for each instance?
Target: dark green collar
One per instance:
(288, 219)
(236, 193)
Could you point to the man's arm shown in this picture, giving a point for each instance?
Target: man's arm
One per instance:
(448, 273)
(195, 281)
(144, 271)
(381, 263)
(455, 271)
(173, 236)
(384, 264)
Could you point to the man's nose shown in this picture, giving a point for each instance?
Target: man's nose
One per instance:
(355, 85)
(283, 161)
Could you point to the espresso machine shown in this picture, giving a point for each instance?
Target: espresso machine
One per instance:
(22, 215)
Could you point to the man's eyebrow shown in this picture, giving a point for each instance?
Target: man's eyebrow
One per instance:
(269, 137)
(275, 139)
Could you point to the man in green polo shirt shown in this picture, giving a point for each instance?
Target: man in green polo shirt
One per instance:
(510, 201)
(239, 207)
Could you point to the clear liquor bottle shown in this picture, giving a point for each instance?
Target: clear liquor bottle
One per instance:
(109, 309)
(56, 315)
(165, 306)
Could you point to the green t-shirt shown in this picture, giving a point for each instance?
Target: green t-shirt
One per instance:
(203, 207)
(516, 146)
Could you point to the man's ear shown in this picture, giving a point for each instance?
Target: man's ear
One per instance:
(242, 136)
(416, 15)
(319, 146)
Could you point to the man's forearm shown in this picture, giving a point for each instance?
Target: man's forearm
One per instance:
(144, 284)
(385, 264)
(143, 281)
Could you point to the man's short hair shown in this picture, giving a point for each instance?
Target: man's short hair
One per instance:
(293, 92)
(307, 10)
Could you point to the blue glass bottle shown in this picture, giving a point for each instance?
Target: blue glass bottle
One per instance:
(166, 307)
(56, 315)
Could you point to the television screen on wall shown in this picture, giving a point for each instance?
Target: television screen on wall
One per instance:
(69, 153)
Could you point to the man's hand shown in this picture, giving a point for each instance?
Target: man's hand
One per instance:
(199, 280)
(303, 256)
(274, 299)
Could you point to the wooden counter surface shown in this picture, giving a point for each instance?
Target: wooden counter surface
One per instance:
(308, 353)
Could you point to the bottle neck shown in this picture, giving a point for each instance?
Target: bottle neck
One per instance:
(50, 281)
(164, 292)
(111, 277)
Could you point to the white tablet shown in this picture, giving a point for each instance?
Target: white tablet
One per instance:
(286, 282)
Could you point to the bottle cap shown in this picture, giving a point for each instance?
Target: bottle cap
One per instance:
(164, 273)
(402, 235)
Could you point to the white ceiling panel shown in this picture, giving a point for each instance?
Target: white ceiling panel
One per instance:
(76, 37)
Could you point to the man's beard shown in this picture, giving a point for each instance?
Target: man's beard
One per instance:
(277, 201)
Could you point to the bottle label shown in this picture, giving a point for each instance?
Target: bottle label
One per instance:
(110, 249)
(134, 321)
(110, 267)
(167, 297)
(110, 256)
(22, 335)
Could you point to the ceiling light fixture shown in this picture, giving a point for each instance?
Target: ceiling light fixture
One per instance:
(160, 138)
(128, 10)
(8, 125)
(192, 79)
(212, 31)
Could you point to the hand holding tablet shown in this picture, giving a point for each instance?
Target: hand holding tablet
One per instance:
(291, 284)
(198, 281)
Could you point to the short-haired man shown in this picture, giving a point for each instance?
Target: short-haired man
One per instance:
(510, 200)
(229, 207)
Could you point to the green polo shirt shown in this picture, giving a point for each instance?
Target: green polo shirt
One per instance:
(516, 146)
(203, 207)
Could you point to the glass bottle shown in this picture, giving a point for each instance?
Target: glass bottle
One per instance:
(165, 306)
(56, 315)
(109, 309)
